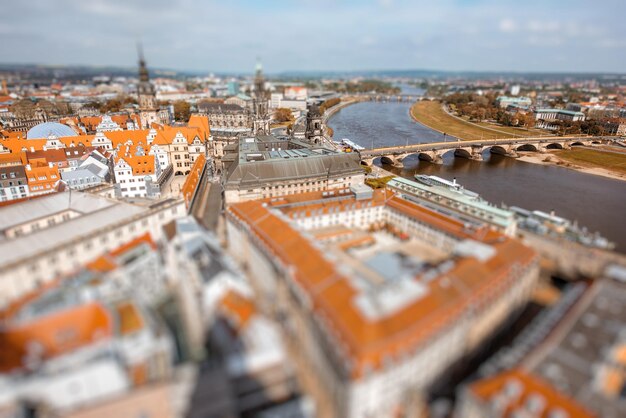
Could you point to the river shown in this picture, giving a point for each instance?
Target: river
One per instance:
(596, 202)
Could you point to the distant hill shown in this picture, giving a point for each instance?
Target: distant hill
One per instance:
(47, 73)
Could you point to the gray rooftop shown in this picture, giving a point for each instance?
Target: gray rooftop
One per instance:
(584, 344)
(264, 159)
(97, 212)
(28, 211)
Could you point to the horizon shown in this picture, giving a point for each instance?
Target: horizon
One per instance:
(314, 73)
(327, 36)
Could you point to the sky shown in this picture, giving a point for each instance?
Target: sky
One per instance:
(319, 35)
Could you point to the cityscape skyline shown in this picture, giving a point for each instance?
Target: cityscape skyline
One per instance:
(407, 210)
(455, 35)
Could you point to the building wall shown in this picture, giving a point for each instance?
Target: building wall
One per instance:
(504, 298)
(81, 178)
(284, 188)
(40, 223)
(94, 381)
(23, 276)
(149, 402)
(381, 393)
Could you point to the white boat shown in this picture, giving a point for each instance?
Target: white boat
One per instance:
(347, 143)
(450, 185)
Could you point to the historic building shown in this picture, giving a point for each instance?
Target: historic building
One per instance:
(51, 236)
(223, 116)
(454, 200)
(13, 182)
(149, 111)
(314, 132)
(261, 103)
(174, 147)
(377, 296)
(267, 166)
(228, 122)
(146, 95)
(137, 174)
(91, 171)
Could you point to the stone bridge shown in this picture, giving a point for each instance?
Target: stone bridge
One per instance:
(433, 152)
(375, 97)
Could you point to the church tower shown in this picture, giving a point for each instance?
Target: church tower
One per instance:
(261, 102)
(314, 127)
(146, 95)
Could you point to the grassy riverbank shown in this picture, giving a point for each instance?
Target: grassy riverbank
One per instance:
(589, 161)
(431, 114)
(613, 161)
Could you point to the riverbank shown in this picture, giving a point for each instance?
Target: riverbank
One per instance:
(552, 159)
(432, 115)
(345, 102)
(595, 201)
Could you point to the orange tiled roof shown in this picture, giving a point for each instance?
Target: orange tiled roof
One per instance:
(193, 179)
(8, 158)
(53, 334)
(528, 385)
(140, 164)
(238, 308)
(368, 342)
(143, 239)
(107, 262)
(102, 264)
(130, 319)
(42, 178)
(202, 124)
(47, 156)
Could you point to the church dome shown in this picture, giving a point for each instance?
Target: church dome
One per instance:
(44, 130)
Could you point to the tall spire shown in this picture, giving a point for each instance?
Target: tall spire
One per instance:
(143, 70)
(259, 82)
(261, 121)
(259, 67)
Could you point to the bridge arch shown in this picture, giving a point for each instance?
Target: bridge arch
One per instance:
(424, 156)
(577, 144)
(385, 159)
(462, 153)
(497, 149)
(554, 145)
(527, 147)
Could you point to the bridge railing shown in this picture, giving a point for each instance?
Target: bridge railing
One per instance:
(477, 142)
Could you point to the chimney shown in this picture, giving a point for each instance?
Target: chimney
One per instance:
(454, 181)
(28, 167)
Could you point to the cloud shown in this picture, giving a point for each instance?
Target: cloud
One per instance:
(508, 25)
(212, 35)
